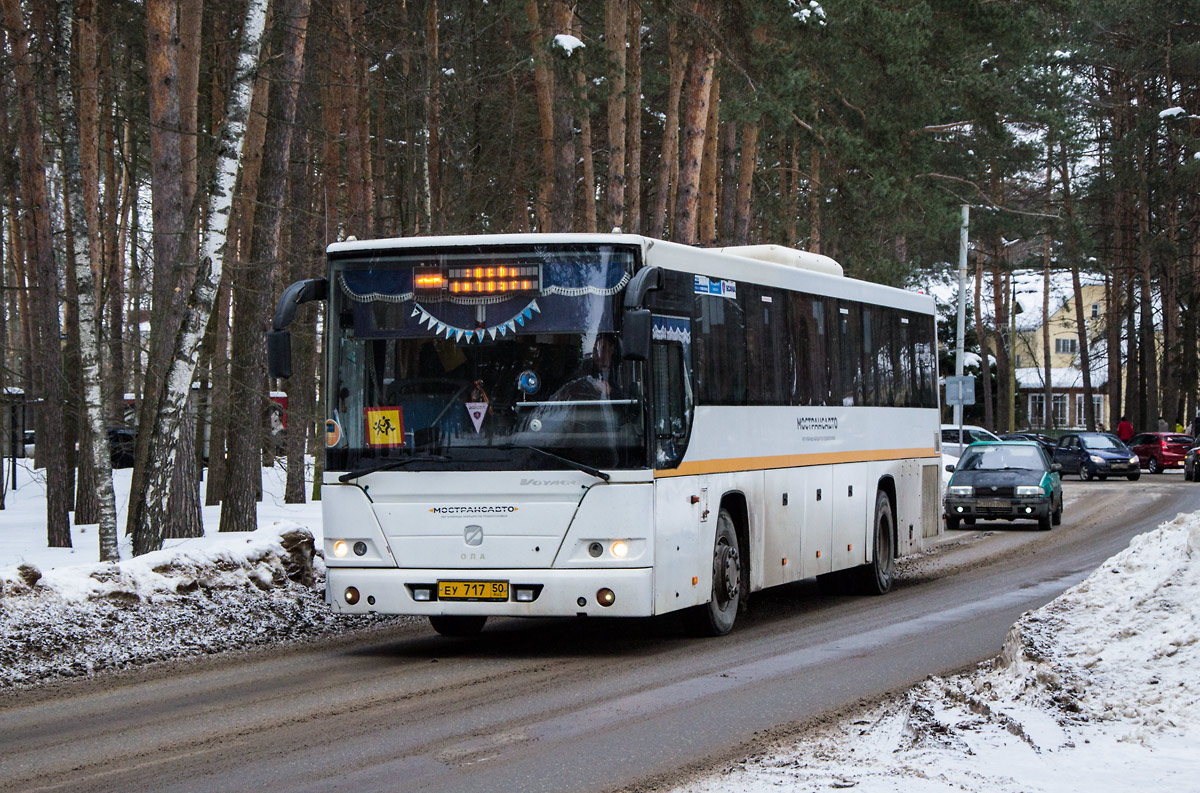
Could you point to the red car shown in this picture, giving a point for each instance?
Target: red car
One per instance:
(1160, 450)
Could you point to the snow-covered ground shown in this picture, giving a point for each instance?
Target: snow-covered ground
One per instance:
(63, 613)
(1098, 691)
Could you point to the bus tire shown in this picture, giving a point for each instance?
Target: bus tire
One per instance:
(876, 577)
(716, 617)
(457, 625)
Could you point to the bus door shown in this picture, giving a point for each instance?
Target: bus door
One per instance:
(682, 512)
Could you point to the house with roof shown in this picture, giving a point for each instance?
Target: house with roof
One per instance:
(1066, 377)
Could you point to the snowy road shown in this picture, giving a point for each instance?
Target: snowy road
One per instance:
(558, 705)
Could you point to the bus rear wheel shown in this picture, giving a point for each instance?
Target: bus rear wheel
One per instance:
(877, 576)
(716, 617)
(454, 625)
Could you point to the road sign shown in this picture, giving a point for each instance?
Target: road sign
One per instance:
(960, 390)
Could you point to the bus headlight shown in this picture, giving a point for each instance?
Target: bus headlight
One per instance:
(620, 549)
(340, 548)
(960, 490)
(1030, 490)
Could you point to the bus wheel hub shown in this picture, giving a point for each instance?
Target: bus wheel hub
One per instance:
(728, 569)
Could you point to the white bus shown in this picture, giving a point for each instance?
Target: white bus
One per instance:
(610, 425)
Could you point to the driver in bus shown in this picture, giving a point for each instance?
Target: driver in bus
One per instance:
(597, 376)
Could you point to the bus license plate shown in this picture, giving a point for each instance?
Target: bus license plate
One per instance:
(472, 590)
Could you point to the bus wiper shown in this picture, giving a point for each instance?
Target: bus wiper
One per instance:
(390, 465)
(587, 469)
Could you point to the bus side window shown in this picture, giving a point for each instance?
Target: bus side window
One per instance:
(672, 403)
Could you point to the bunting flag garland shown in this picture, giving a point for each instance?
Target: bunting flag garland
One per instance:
(440, 328)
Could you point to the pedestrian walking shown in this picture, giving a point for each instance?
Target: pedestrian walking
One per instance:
(1124, 429)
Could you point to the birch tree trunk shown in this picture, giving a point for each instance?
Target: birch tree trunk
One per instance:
(85, 274)
(208, 277)
(247, 370)
(169, 218)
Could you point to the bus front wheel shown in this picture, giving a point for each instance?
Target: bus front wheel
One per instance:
(875, 578)
(716, 617)
(454, 625)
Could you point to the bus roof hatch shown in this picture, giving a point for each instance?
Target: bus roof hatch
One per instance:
(778, 254)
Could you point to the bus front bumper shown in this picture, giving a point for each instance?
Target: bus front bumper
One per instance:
(531, 593)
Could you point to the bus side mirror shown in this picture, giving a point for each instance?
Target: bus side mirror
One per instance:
(279, 338)
(636, 334)
(279, 353)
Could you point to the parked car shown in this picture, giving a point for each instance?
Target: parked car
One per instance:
(1096, 454)
(1004, 480)
(1160, 450)
(121, 444)
(1191, 464)
(953, 446)
(1045, 441)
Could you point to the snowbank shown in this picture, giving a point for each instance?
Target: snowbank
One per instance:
(231, 593)
(1096, 691)
(63, 613)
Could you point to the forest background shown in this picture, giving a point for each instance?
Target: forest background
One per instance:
(168, 166)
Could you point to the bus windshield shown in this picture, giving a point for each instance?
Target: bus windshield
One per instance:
(473, 358)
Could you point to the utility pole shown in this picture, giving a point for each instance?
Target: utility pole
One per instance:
(959, 349)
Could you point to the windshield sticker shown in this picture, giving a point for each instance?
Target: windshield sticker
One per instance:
(333, 432)
(716, 287)
(477, 410)
(385, 427)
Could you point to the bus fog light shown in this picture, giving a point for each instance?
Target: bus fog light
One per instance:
(605, 597)
(524, 595)
(620, 549)
(340, 548)
(360, 548)
(595, 549)
(423, 594)
(351, 595)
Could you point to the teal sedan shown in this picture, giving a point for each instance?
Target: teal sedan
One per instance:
(1004, 480)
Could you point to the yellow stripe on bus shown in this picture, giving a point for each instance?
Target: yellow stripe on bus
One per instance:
(791, 461)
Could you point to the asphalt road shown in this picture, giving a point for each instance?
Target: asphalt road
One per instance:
(560, 705)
